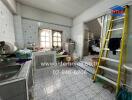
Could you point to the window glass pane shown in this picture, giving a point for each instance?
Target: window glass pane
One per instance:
(54, 38)
(59, 44)
(47, 34)
(59, 39)
(55, 34)
(42, 44)
(42, 33)
(47, 38)
(59, 35)
(55, 43)
(47, 44)
(42, 38)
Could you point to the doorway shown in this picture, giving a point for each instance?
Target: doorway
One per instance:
(94, 32)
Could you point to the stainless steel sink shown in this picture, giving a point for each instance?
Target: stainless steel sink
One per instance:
(7, 72)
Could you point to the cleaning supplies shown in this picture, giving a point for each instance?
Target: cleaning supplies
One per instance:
(123, 94)
(24, 54)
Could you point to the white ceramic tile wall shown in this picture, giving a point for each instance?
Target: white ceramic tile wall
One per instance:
(18, 31)
(30, 30)
(6, 24)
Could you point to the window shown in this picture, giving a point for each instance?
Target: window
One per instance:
(57, 39)
(45, 38)
(49, 38)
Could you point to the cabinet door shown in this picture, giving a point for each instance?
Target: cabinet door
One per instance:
(21, 96)
(12, 89)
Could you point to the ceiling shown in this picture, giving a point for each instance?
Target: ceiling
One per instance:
(69, 8)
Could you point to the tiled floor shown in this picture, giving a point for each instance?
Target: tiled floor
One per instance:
(52, 83)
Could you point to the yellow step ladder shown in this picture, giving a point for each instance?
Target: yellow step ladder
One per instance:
(105, 51)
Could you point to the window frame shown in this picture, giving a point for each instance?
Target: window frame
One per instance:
(53, 32)
(50, 41)
(41, 30)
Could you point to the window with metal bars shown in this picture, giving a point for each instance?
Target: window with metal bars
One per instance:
(50, 38)
(57, 39)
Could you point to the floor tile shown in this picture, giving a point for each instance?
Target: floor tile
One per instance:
(50, 86)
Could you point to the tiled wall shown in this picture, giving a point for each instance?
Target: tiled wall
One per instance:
(6, 24)
(18, 31)
(30, 30)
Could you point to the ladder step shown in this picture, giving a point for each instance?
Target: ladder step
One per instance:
(115, 29)
(128, 67)
(108, 69)
(118, 19)
(107, 39)
(106, 79)
(107, 49)
(109, 59)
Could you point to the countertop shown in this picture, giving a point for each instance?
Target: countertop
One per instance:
(23, 72)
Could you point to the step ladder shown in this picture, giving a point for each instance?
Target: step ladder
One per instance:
(105, 50)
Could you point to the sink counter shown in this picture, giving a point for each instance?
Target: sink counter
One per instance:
(25, 70)
(10, 72)
(17, 87)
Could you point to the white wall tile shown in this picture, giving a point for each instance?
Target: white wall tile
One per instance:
(6, 24)
(30, 30)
